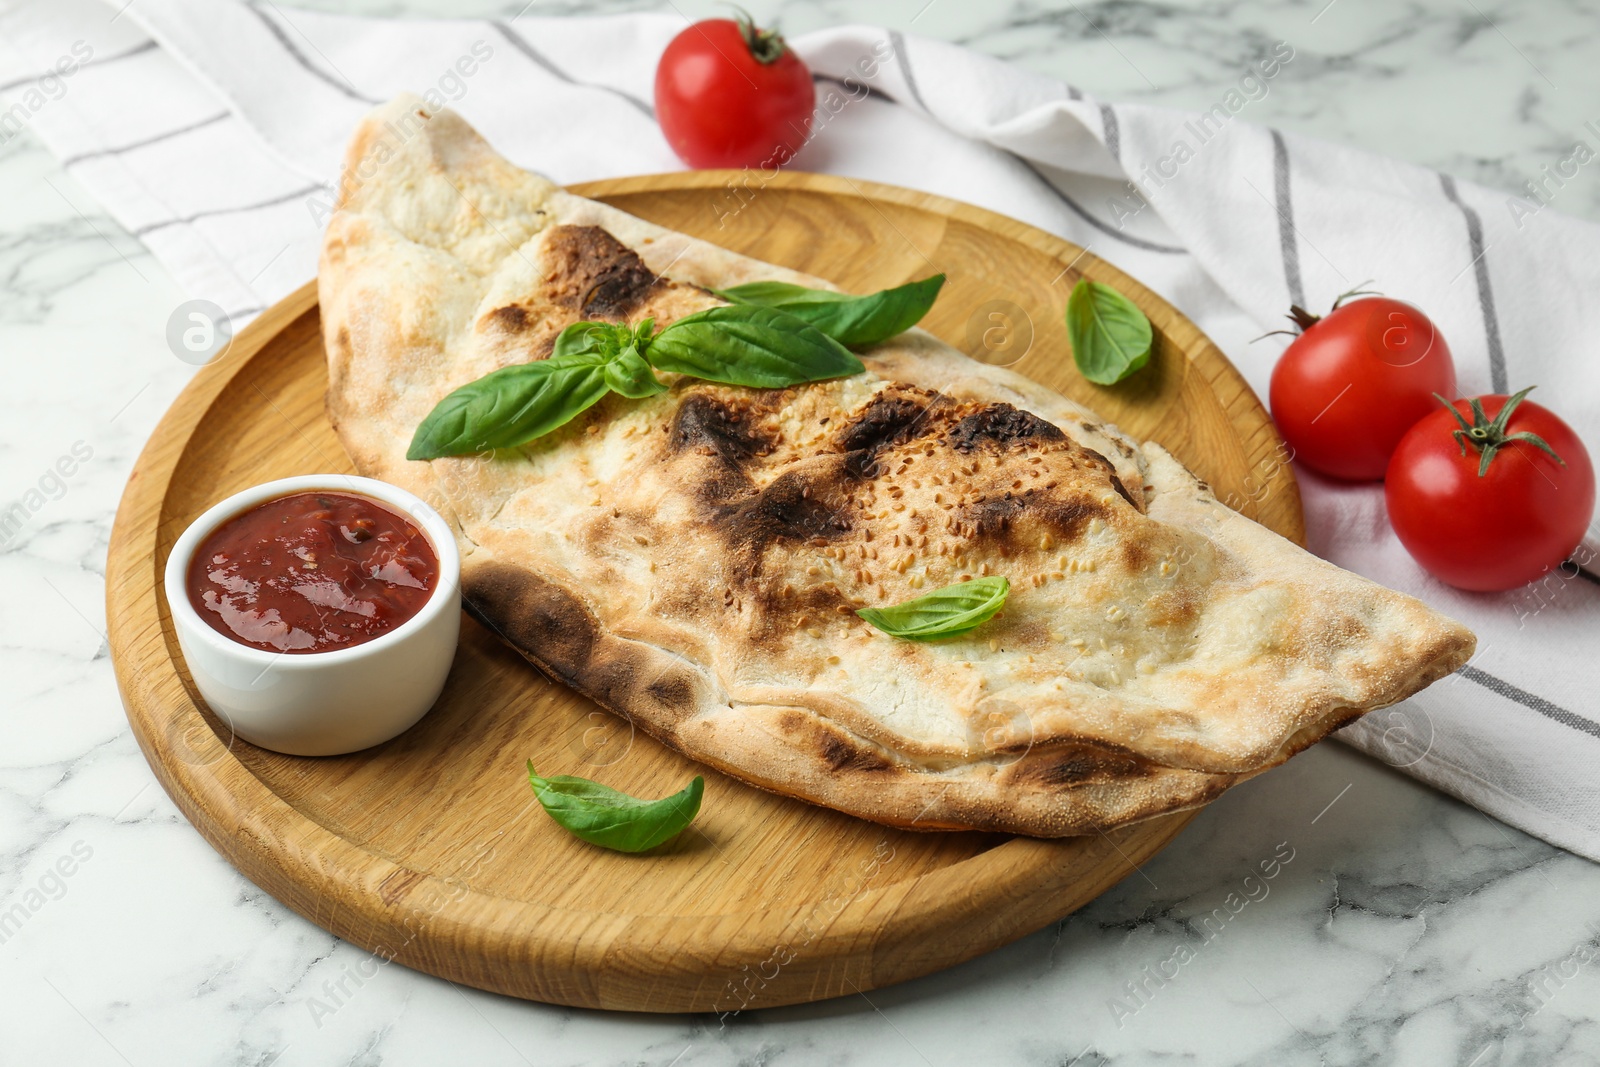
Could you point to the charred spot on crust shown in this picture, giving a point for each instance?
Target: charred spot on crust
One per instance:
(595, 274)
(673, 691)
(1077, 764)
(989, 518)
(839, 751)
(883, 421)
(841, 755)
(535, 615)
(1068, 770)
(615, 680)
(512, 318)
(1111, 472)
(1063, 516)
(708, 425)
(341, 340)
(557, 631)
(1003, 425)
(796, 506)
(786, 510)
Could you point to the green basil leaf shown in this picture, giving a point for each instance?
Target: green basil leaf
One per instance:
(759, 347)
(603, 816)
(853, 321)
(948, 612)
(627, 373)
(1110, 336)
(590, 338)
(511, 406)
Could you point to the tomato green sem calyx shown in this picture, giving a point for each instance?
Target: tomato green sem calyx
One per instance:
(1303, 320)
(767, 46)
(1488, 436)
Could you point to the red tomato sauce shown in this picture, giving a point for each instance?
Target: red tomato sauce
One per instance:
(312, 572)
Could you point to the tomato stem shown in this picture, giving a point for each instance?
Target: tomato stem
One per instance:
(767, 46)
(1357, 291)
(1303, 320)
(1489, 436)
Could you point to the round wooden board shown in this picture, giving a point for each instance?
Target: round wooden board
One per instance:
(430, 850)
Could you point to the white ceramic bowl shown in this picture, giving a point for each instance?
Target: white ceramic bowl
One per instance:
(322, 703)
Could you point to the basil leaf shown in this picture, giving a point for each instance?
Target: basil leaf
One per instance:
(854, 321)
(759, 347)
(1110, 336)
(603, 816)
(948, 612)
(590, 338)
(630, 375)
(510, 406)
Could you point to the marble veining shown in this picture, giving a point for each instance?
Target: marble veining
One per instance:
(1396, 926)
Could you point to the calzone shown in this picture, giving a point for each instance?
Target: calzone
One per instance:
(695, 560)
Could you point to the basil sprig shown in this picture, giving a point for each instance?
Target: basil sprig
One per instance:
(1110, 336)
(611, 819)
(511, 406)
(771, 335)
(759, 347)
(619, 348)
(948, 612)
(853, 321)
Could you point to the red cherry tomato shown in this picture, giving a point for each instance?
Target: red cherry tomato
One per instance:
(1495, 522)
(1350, 386)
(731, 95)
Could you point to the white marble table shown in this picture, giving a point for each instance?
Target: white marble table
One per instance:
(1406, 928)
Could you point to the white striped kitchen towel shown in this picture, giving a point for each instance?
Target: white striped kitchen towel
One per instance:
(213, 129)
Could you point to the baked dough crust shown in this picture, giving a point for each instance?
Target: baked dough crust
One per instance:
(693, 561)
